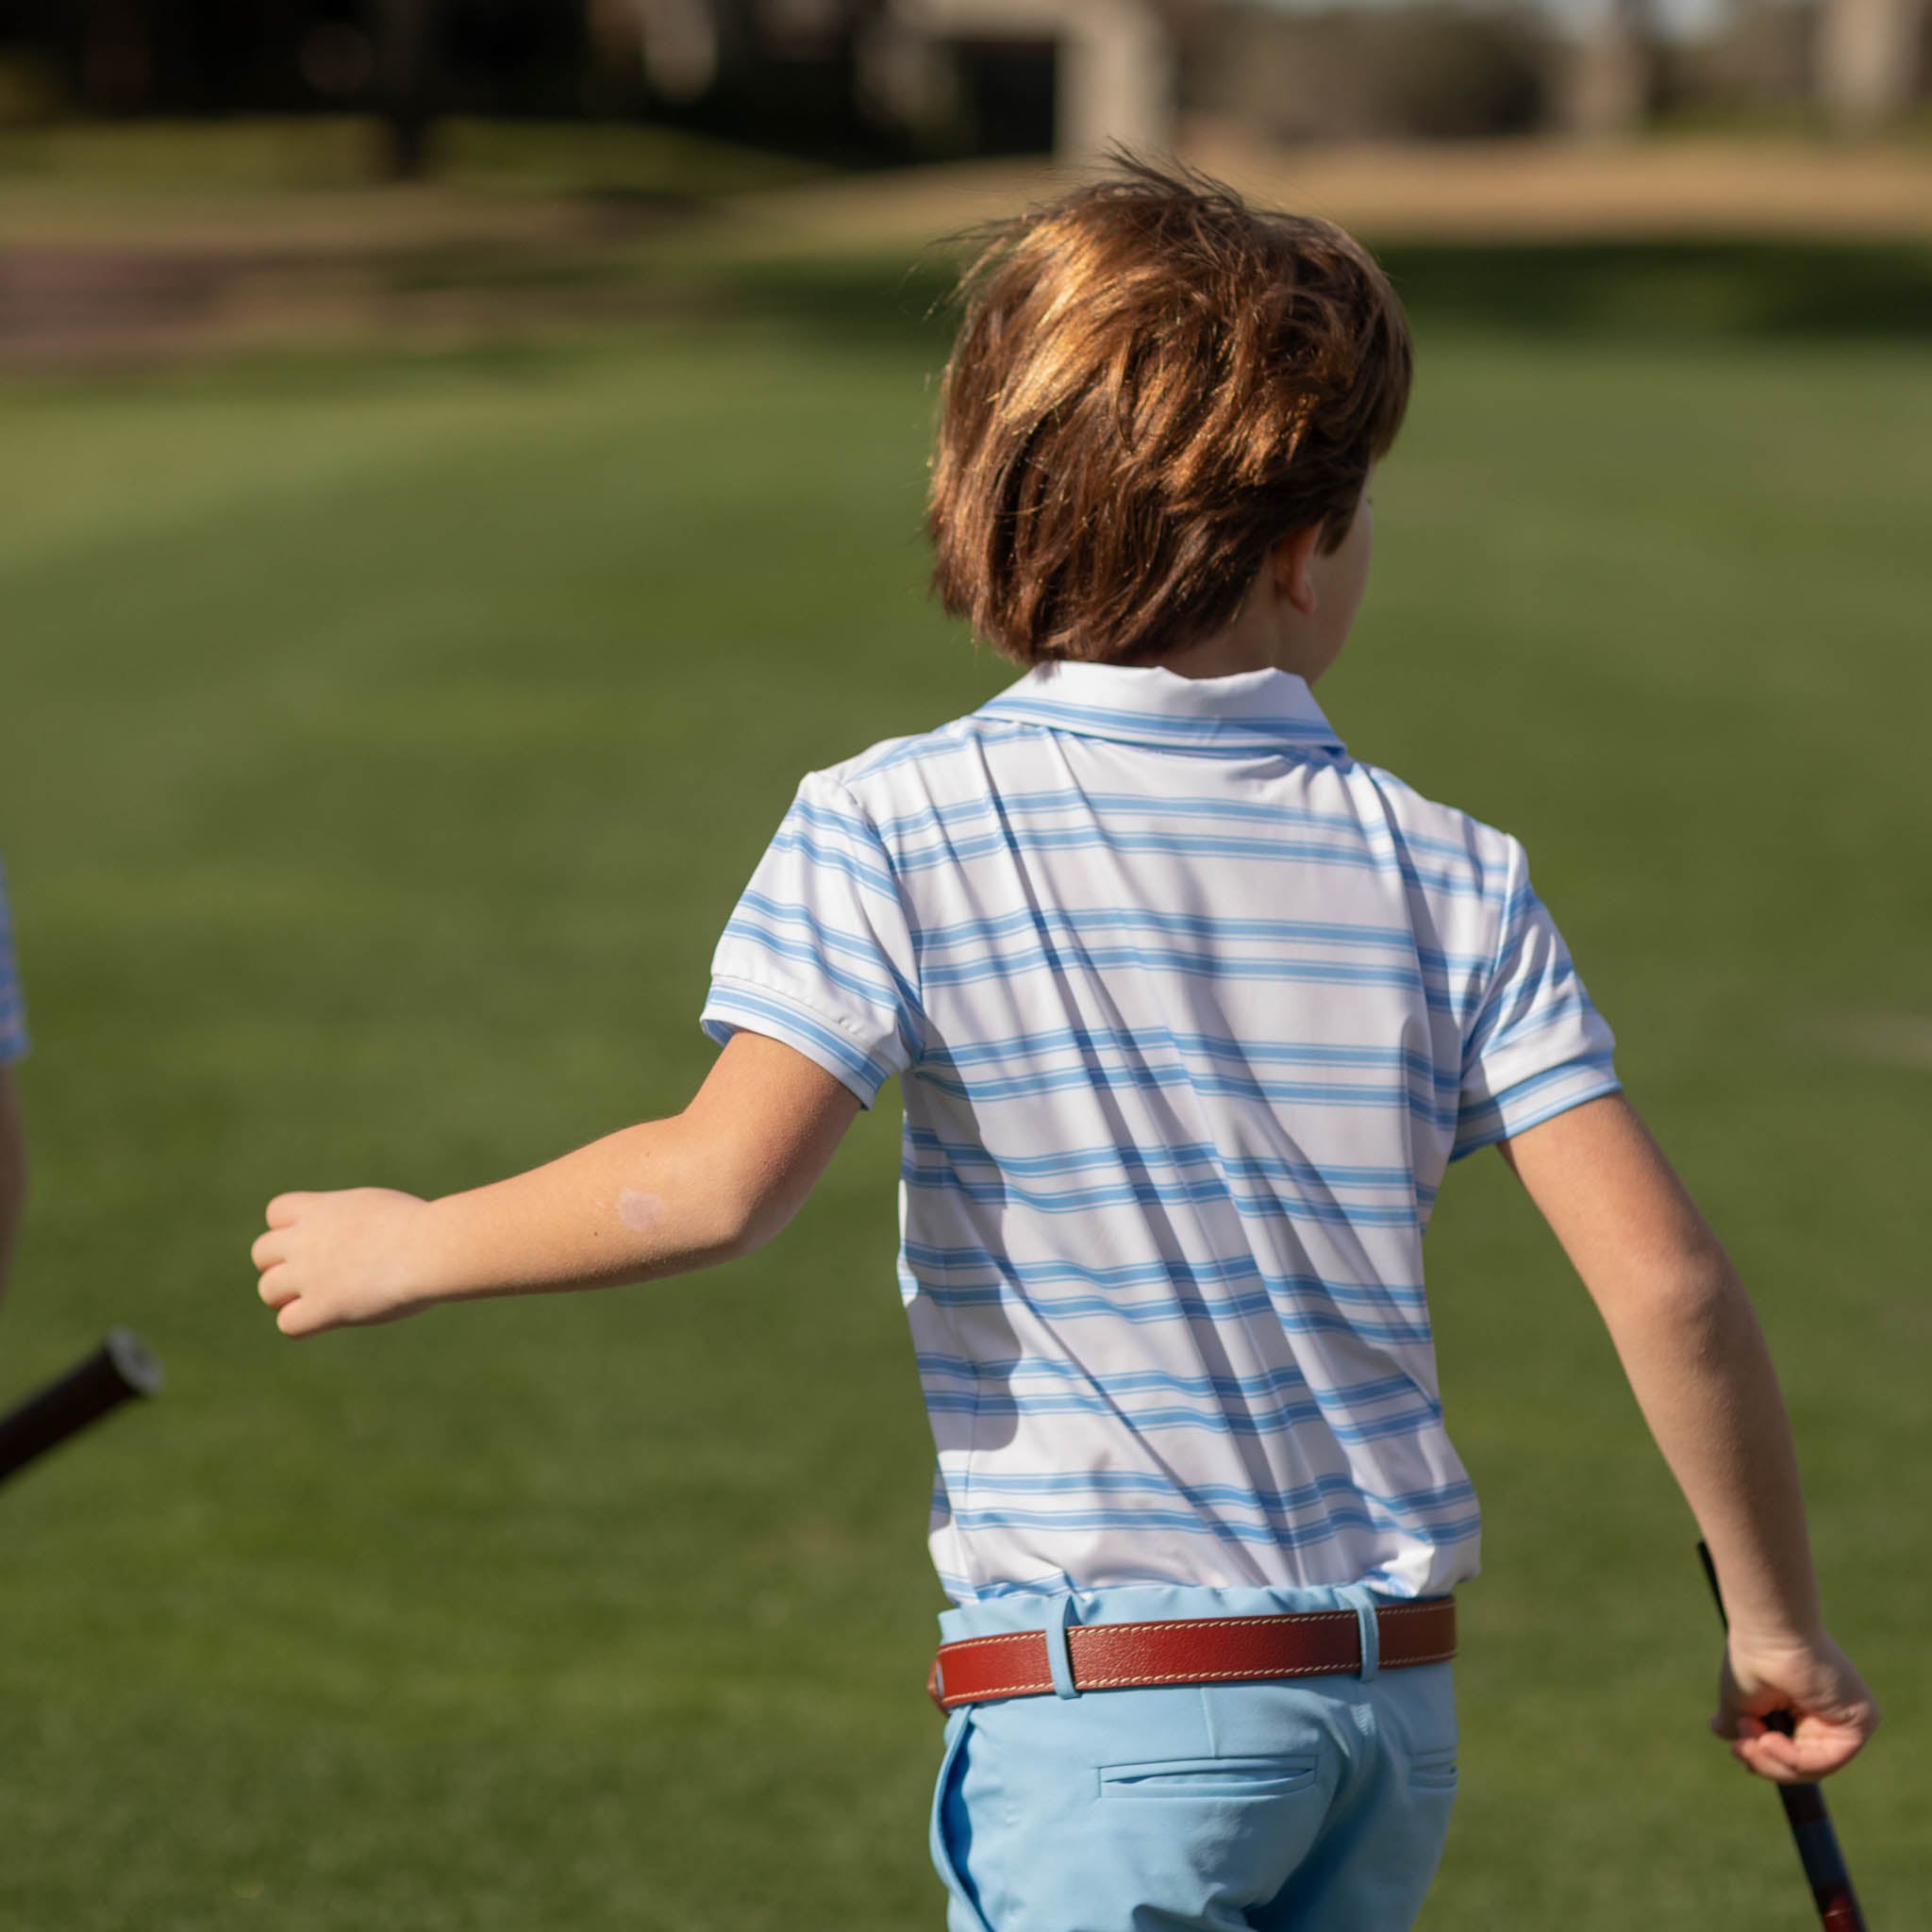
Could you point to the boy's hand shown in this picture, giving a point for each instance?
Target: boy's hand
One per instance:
(341, 1260)
(1816, 1685)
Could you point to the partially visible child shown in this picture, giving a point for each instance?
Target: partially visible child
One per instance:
(1191, 1010)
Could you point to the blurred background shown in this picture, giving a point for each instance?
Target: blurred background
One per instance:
(461, 461)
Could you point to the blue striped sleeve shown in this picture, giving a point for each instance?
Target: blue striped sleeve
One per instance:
(1537, 1046)
(13, 1040)
(819, 952)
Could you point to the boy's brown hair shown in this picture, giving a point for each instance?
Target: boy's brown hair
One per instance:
(1153, 384)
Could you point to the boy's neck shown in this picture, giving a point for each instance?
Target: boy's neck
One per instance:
(1227, 654)
(1297, 613)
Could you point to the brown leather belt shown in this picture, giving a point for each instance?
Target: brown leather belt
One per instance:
(1205, 1650)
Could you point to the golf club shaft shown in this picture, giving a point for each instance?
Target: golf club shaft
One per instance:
(121, 1368)
(1807, 1816)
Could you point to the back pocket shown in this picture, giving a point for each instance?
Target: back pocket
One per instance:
(1209, 1777)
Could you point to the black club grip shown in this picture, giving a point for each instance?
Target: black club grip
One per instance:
(121, 1368)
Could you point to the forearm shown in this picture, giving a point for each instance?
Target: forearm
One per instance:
(703, 1186)
(1697, 1362)
(1696, 1359)
(1691, 1345)
(637, 1204)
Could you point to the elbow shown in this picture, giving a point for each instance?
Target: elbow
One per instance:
(1682, 1260)
(1700, 1272)
(752, 1156)
(1701, 1299)
(708, 1203)
(757, 1219)
(734, 1214)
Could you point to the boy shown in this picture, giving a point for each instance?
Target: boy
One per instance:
(1191, 1010)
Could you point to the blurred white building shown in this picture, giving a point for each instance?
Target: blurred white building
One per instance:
(1076, 76)
(1871, 59)
(1109, 65)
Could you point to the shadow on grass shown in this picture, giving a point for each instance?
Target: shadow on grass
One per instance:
(1659, 289)
(524, 316)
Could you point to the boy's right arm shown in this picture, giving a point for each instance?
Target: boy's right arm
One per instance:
(662, 1197)
(1697, 1362)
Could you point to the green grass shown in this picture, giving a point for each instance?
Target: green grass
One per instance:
(383, 743)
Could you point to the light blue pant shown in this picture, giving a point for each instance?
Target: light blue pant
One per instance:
(1315, 1804)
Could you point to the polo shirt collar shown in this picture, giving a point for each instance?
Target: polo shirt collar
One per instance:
(1245, 712)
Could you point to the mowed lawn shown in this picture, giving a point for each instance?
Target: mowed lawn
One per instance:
(383, 743)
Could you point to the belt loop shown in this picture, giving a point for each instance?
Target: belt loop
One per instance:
(1358, 1599)
(1057, 1656)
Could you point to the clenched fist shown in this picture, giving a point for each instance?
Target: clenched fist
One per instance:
(1832, 1712)
(342, 1260)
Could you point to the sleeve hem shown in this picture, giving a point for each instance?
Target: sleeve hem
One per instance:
(1507, 1125)
(737, 1006)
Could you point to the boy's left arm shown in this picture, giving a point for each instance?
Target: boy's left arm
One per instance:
(704, 1186)
(1698, 1365)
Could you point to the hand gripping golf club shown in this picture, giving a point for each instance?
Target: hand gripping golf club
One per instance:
(1806, 1814)
(119, 1369)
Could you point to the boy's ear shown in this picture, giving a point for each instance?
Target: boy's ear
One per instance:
(1292, 559)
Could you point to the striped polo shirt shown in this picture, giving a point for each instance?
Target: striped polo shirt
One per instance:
(1190, 1012)
(13, 1012)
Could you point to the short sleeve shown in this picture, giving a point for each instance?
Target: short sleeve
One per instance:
(1537, 1046)
(13, 1008)
(819, 952)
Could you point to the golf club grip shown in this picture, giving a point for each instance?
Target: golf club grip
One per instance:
(1822, 1861)
(1817, 1852)
(119, 1369)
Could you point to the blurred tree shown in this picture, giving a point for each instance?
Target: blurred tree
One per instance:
(409, 45)
(1430, 71)
(117, 59)
(1761, 55)
(614, 35)
(1016, 74)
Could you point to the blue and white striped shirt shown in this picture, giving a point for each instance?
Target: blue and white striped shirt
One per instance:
(1191, 1011)
(13, 1011)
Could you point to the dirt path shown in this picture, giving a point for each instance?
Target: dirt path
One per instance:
(1479, 191)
